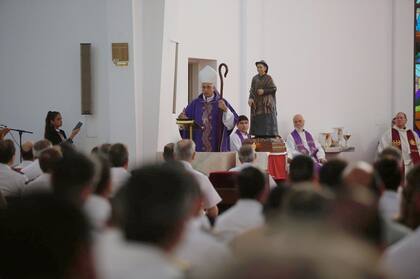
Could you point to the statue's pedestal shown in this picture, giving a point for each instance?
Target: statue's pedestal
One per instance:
(272, 145)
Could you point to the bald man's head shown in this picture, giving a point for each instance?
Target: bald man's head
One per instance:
(298, 121)
(184, 150)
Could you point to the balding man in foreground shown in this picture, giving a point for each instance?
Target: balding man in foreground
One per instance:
(185, 152)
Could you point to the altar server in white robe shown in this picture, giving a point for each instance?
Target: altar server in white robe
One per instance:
(241, 134)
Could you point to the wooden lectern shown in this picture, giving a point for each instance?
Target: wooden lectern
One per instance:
(186, 124)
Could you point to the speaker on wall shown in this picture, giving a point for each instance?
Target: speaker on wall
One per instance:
(86, 79)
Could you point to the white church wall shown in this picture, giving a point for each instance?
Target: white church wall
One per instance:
(40, 69)
(148, 35)
(403, 56)
(331, 61)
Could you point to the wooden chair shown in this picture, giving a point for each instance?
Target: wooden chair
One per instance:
(225, 184)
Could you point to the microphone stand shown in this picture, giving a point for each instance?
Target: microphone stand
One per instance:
(20, 131)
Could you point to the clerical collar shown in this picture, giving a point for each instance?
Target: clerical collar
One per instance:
(400, 129)
(208, 99)
(299, 130)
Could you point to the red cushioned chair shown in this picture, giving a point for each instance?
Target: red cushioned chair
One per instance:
(225, 184)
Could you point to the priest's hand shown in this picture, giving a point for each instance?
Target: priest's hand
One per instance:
(182, 115)
(322, 161)
(251, 102)
(260, 92)
(222, 106)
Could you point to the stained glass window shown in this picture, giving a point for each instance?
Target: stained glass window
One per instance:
(417, 70)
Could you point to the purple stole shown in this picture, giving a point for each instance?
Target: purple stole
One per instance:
(302, 149)
(240, 136)
(208, 125)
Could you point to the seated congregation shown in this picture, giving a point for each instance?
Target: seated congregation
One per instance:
(96, 219)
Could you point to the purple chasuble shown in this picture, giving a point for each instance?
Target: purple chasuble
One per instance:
(206, 116)
(302, 149)
(241, 137)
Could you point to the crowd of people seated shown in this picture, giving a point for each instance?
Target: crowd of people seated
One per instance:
(67, 214)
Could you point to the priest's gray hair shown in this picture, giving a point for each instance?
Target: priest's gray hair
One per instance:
(184, 150)
(246, 154)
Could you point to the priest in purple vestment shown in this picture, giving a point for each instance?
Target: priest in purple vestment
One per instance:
(301, 142)
(214, 117)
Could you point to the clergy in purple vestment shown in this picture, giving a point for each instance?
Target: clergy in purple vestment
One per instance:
(301, 142)
(214, 117)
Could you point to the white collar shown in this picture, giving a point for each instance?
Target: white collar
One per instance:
(400, 129)
(300, 131)
(208, 99)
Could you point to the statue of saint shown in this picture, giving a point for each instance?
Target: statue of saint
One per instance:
(262, 101)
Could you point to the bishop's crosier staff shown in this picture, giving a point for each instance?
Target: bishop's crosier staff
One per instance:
(220, 132)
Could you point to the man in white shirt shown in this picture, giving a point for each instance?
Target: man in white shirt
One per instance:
(12, 183)
(241, 133)
(185, 153)
(47, 161)
(390, 174)
(73, 176)
(247, 157)
(402, 258)
(301, 142)
(404, 139)
(97, 207)
(27, 155)
(33, 170)
(246, 214)
(200, 249)
(118, 156)
(157, 205)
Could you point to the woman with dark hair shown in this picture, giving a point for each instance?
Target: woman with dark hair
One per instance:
(53, 133)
